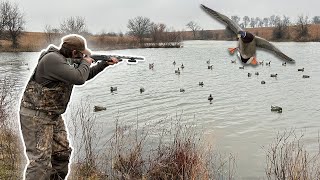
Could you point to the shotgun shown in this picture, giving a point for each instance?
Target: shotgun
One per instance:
(103, 57)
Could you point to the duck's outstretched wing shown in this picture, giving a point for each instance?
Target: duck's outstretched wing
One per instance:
(222, 18)
(262, 43)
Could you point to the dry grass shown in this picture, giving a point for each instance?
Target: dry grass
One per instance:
(180, 153)
(287, 158)
(11, 156)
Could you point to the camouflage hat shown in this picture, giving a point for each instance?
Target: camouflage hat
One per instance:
(75, 42)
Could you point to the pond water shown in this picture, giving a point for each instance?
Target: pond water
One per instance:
(239, 119)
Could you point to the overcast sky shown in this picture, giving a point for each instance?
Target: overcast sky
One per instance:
(113, 15)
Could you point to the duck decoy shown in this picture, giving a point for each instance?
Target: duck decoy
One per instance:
(99, 108)
(261, 62)
(302, 69)
(273, 75)
(151, 66)
(210, 98)
(142, 90)
(276, 109)
(247, 41)
(112, 89)
(177, 71)
(263, 82)
(305, 76)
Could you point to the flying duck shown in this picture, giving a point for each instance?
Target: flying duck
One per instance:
(247, 42)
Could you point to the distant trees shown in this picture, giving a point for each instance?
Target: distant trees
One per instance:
(235, 19)
(281, 30)
(246, 21)
(73, 25)
(302, 27)
(12, 21)
(316, 20)
(139, 27)
(51, 34)
(194, 28)
(157, 31)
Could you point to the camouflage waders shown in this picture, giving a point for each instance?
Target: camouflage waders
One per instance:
(46, 144)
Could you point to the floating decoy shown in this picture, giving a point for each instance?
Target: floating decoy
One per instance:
(99, 108)
(302, 69)
(142, 90)
(276, 108)
(177, 71)
(151, 66)
(210, 98)
(261, 62)
(113, 89)
(305, 76)
(263, 82)
(273, 75)
(247, 41)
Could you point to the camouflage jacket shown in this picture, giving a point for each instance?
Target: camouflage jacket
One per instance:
(39, 97)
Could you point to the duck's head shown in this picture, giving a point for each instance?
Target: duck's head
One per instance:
(245, 36)
(242, 34)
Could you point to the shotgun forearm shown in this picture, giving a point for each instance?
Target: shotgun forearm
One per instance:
(102, 57)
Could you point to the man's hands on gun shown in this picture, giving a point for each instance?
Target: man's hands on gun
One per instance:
(112, 61)
(88, 59)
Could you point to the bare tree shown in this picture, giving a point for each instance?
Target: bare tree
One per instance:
(316, 20)
(235, 19)
(194, 28)
(302, 27)
(253, 22)
(157, 32)
(259, 22)
(12, 21)
(272, 21)
(266, 22)
(281, 30)
(51, 34)
(76, 25)
(139, 27)
(246, 21)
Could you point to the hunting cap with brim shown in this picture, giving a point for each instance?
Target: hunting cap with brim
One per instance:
(76, 42)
